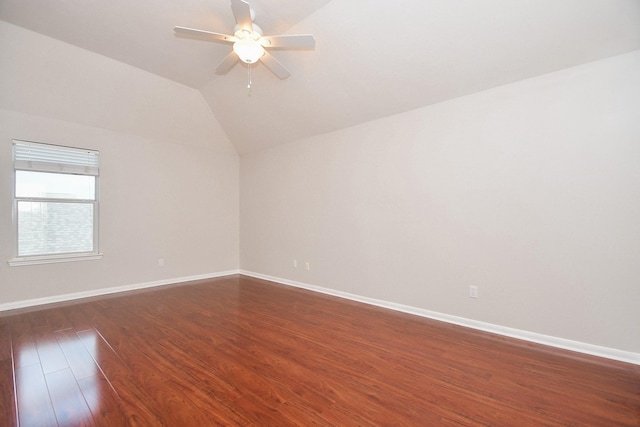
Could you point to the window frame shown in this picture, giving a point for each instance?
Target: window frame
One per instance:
(94, 254)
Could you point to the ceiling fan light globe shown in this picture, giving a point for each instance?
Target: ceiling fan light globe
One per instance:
(248, 50)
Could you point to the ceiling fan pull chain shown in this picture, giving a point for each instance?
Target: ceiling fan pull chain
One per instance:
(249, 83)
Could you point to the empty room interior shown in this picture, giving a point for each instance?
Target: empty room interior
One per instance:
(319, 212)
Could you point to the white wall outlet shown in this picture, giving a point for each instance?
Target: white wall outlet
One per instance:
(160, 262)
(473, 291)
(294, 263)
(307, 266)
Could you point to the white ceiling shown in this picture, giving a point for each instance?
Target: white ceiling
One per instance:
(372, 58)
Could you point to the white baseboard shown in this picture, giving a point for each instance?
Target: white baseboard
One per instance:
(594, 350)
(107, 291)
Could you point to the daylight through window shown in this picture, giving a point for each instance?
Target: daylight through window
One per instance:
(56, 200)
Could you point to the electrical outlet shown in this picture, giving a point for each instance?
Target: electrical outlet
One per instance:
(473, 291)
(160, 262)
(294, 263)
(307, 266)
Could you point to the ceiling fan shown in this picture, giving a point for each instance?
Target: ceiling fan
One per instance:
(249, 43)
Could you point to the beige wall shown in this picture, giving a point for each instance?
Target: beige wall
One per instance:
(169, 175)
(530, 191)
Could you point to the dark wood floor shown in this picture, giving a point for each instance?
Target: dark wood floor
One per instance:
(240, 351)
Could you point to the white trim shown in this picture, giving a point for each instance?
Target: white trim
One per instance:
(593, 350)
(51, 259)
(107, 291)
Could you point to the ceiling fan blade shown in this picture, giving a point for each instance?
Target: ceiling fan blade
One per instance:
(242, 13)
(227, 63)
(206, 35)
(276, 67)
(294, 40)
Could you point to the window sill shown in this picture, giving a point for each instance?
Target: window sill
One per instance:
(50, 259)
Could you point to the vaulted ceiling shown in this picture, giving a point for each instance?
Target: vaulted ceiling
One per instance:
(372, 58)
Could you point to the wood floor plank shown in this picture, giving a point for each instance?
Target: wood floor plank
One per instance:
(133, 353)
(6, 352)
(103, 402)
(51, 356)
(57, 318)
(243, 351)
(178, 398)
(8, 415)
(34, 404)
(67, 399)
(132, 397)
(78, 358)
(25, 350)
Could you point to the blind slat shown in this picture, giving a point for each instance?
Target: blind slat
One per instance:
(54, 158)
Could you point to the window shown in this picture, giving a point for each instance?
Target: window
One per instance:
(55, 203)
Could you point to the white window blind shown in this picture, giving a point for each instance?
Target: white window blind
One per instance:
(33, 156)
